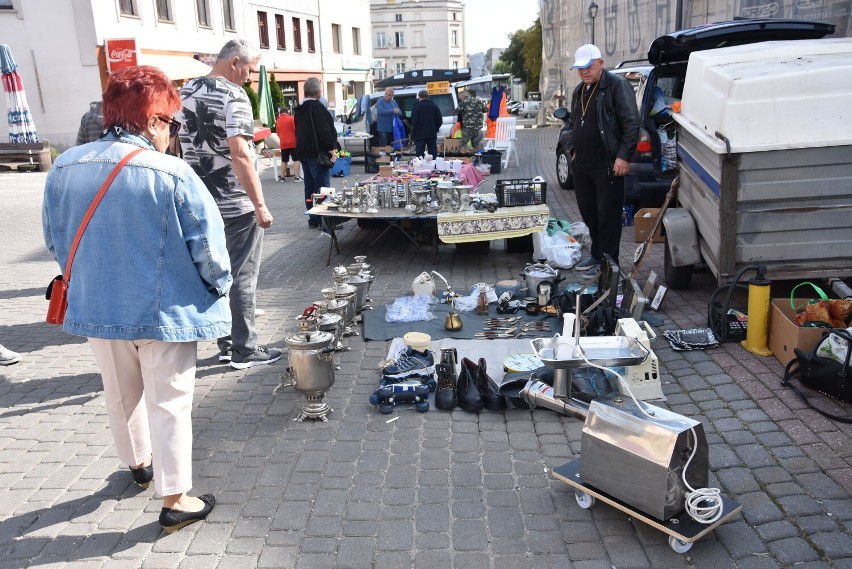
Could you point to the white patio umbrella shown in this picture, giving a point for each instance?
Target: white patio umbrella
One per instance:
(21, 126)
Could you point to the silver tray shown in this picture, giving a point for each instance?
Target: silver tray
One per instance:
(607, 351)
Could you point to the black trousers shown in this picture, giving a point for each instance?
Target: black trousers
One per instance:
(600, 199)
(422, 144)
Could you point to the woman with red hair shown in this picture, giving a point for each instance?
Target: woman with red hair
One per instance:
(150, 279)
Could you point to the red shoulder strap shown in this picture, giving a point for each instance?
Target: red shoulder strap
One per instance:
(92, 207)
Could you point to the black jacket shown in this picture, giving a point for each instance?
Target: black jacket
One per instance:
(308, 146)
(426, 119)
(617, 116)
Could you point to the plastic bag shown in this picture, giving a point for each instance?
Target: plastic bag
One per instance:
(560, 249)
(410, 309)
(834, 347)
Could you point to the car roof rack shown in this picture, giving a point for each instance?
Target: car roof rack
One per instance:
(632, 61)
(423, 76)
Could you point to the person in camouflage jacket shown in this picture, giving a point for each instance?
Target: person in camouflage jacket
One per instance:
(470, 113)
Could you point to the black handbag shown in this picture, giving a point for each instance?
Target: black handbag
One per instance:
(323, 158)
(826, 375)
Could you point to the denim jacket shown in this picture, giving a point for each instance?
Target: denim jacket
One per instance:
(152, 263)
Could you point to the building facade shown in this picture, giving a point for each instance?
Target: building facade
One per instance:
(59, 47)
(417, 34)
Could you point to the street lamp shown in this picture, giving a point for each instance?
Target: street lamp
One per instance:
(593, 13)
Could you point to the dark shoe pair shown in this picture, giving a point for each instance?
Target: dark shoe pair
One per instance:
(491, 398)
(143, 476)
(466, 391)
(445, 396)
(173, 520)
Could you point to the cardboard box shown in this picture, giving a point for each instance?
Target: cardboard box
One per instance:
(642, 225)
(385, 171)
(785, 334)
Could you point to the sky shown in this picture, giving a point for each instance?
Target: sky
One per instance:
(489, 22)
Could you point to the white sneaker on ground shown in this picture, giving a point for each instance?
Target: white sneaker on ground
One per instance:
(8, 357)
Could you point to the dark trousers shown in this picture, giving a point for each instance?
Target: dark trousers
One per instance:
(600, 199)
(384, 138)
(430, 144)
(315, 178)
(244, 240)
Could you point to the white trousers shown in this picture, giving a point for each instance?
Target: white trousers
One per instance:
(161, 426)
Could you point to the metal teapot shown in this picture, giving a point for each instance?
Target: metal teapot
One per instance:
(537, 273)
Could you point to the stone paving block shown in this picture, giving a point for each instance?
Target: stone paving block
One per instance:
(792, 550)
(834, 544)
(774, 531)
(505, 523)
(625, 551)
(395, 535)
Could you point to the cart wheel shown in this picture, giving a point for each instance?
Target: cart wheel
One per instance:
(678, 545)
(584, 500)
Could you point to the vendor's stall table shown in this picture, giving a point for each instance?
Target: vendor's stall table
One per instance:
(505, 223)
(462, 227)
(393, 217)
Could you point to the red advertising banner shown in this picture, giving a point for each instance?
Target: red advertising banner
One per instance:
(120, 53)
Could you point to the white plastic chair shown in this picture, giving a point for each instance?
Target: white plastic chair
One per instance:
(504, 139)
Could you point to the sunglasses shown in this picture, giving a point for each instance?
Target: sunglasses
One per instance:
(174, 126)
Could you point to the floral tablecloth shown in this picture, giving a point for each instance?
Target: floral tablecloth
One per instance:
(506, 222)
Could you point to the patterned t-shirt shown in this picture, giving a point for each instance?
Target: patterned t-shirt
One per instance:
(214, 109)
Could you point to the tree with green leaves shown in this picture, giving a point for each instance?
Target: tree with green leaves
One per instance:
(523, 56)
(255, 103)
(277, 94)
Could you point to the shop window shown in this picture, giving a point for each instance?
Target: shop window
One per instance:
(203, 13)
(164, 11)
(126, 7)
(454, 38)
(312, 46)
(228, 14)
(398, 17)
(297, 34)
(280, 39)
(262, 29)
(356, 41)
(335, 38)
(381, 41)
(400, 39)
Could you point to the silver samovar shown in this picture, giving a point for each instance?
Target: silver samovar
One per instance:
(348, 293)
(333, 306)
(312, 367)
(331, 322)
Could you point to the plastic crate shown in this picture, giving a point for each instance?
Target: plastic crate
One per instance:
(520, 192)
(734, 330)
(342, 166)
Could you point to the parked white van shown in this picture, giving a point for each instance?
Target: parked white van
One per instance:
(364, 113)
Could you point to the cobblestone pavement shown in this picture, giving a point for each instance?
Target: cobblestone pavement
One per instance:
(433, 490)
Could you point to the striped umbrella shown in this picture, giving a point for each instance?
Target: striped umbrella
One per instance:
(21, 126)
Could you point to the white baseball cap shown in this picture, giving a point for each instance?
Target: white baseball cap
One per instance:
(585, 55)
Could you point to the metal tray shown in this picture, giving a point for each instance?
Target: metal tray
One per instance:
(607, 351)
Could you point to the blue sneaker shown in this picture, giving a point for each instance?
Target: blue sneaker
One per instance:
(410, 363)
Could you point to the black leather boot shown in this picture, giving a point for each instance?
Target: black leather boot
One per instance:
(445, 397)
(466, 390)
(491, 398)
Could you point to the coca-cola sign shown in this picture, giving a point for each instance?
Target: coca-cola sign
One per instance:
(120, 53)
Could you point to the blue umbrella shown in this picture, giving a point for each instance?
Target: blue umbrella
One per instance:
(21, 126)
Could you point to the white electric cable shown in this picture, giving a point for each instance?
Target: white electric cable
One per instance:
(703, 505)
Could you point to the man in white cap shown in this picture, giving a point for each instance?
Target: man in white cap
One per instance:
(604, 130)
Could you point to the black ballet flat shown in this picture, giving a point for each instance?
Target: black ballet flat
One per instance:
(143, 476)
(173, 520)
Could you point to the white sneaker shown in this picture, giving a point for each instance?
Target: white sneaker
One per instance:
(8, 357)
